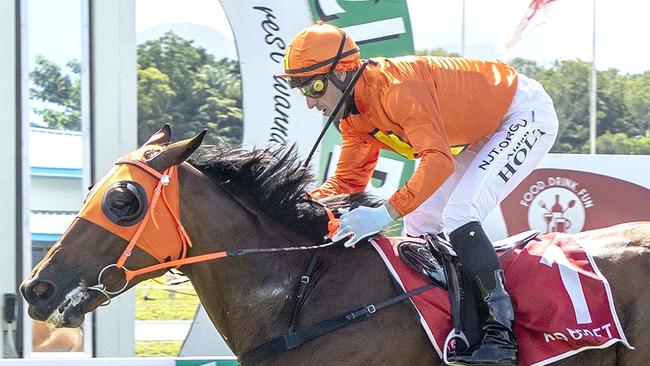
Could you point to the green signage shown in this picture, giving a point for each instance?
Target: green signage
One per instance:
(380, 28)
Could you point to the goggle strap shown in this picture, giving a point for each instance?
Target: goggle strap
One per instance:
(337, 58)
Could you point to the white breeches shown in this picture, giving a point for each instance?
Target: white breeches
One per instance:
(489, 170)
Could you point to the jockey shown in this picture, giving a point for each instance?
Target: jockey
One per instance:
(477, 127)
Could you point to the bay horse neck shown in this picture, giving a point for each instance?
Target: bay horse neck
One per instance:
(249, 297)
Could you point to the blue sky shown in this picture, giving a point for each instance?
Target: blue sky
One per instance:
(622, 28)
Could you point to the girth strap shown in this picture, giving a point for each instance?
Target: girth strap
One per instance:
(292, 340)
(301, 290)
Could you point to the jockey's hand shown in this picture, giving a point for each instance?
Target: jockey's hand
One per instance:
(362, 222)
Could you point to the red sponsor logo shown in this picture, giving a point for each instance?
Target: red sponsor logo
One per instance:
(559, 200)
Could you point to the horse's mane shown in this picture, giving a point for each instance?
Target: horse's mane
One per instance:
(275, 181)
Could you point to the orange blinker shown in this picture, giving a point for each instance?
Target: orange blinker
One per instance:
(156, 231)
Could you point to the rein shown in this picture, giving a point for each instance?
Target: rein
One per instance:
(264, 351)
(336, 109)
(163, 181)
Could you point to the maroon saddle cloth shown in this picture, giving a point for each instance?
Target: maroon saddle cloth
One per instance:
(563, 304)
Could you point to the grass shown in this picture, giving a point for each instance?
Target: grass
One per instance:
(156, 301)
(171, 303)
(157, 349)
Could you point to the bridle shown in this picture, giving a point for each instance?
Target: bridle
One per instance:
(159, 194)
(264, 351)
(183, 240)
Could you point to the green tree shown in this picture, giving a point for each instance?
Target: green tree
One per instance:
(637, 99)
(623, 105)
(154, 98)
(620, 143)
(622, 109)
(612, 112)
(59, 90)
(181, 83)
(567, 82)
(528, 67)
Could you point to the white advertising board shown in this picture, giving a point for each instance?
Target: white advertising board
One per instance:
(272, 112)
(572, 193)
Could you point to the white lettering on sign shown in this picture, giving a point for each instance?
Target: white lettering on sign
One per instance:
(570, 280)
(533, 190)
(555, 336)
(362, 33)
(579, 334)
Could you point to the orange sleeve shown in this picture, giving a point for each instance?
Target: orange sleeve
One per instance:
(355, 166)
(414, 106)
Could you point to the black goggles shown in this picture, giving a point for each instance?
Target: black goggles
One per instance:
(315, 86)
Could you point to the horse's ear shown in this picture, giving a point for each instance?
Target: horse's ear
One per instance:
(176, 153)
(161, 137)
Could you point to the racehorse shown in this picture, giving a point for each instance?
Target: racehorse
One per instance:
(232, 199)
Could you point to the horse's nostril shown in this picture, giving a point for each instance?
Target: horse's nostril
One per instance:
(38, 291)
(40, 288)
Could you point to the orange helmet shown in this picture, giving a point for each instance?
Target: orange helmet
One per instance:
(317, 49)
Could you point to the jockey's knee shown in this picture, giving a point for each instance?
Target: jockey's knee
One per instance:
(456, 215)
(420, 222)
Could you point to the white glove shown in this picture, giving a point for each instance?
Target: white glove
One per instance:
(362, 222)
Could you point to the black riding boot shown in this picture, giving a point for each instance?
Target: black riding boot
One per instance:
(498, 346)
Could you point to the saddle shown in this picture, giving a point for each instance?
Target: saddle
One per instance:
(433, 256)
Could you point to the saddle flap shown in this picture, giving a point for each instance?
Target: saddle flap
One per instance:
(440, 244)
(416, 255)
